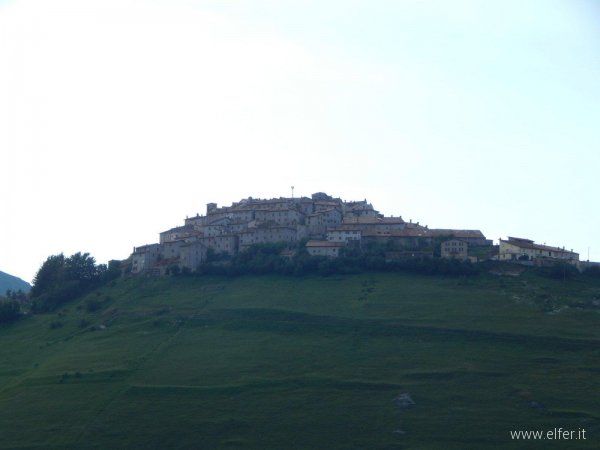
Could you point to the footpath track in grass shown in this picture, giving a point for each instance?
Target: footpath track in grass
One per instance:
(274, 362)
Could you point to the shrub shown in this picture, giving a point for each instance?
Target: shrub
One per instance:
(266, 258)
(93, 305)
(559, 271)
(10, 310)
(56, 324)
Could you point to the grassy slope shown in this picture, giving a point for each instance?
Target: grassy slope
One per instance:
(281, 363)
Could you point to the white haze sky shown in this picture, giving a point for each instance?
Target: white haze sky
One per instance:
(119, 118)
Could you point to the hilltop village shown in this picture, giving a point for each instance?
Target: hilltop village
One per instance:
(326, 226)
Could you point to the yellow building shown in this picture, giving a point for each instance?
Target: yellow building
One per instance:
(514, 249)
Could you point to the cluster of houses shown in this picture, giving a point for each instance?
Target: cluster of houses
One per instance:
(327, 225)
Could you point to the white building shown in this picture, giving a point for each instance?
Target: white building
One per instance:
(343, 234)
(324, 248)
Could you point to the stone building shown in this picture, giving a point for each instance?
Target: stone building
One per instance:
(171, 249)
(454, 249)
(227, 244)
(318, 222)
(324, 248)
(421, 237)
(282, 216)
(375, 223)
(192, 255)
(343, 234)
(144, 257)
(177, 233)
(196, 221)
(267, 234)
(359, 209)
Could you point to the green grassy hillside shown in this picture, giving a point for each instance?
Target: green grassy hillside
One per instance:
(306, 363)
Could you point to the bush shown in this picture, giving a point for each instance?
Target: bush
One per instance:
(266, 258)
(56, 324)
(93, 305)
(174, 270)
(593, 271)
(559, 271)
(10, 310)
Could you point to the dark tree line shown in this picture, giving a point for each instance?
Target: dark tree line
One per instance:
(16, 295)
(61, 279)
(267, 258)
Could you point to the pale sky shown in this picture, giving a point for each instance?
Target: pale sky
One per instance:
(120, 118)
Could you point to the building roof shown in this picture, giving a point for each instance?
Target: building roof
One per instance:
(315, 243)
(392, 220)
(184, 228)
(370, 220)
(240, 209)
(220, 220)
(414, 225)
(264, 227)
(145, 248)
(426, 232)
(324, 211)
(477, 234)
(360, 206)
(449, 241)
(343, 229)
(260, 201)
(516, 239)
(530, 245)
(279, 210)
(332, 202)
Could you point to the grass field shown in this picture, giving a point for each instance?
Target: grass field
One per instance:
(306, 363)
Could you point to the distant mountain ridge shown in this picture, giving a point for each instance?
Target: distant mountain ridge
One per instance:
(13, 283)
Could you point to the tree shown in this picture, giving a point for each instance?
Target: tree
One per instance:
(50, 274)
(110, 272)
(62, 279)
(82, 268)
(16, 295)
